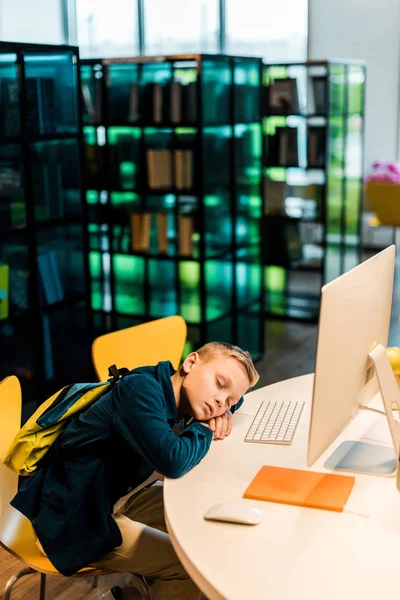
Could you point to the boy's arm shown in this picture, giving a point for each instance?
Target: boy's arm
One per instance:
(141, 420)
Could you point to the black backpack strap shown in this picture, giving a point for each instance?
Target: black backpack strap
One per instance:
(116, 374)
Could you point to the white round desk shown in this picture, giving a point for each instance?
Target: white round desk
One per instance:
(294, 552)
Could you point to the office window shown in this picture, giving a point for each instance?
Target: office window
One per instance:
(39, 21)
(177, 26)
(277, 31)
(107, 28)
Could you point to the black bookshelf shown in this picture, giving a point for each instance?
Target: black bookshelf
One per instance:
(313, 176)
(173, 150)
(44, 293)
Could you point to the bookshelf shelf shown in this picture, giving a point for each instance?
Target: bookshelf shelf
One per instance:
(313, 129)
(173, 148)
(43, 272)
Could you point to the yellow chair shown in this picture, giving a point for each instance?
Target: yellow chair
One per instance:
(140, 345)
(16, 533)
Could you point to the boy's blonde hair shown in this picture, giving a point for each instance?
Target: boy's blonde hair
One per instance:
(213, 349)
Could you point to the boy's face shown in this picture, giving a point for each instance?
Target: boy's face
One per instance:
(211, 387)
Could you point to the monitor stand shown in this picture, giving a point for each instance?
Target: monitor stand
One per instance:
(367, 458)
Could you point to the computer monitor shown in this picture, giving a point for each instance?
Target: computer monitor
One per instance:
(354, 319)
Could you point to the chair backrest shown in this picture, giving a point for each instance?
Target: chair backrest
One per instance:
(146, 344)
(10, 423)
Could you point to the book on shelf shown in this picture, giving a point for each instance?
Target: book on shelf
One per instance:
(140, 231)
(51, 289)
(185, 235)
(10, 124)
(283, 97)
(47, 189)
(133, 103)
(159, 168)
(274, 197)
(189, 102)
(183, 168)
(318, 97)
(316, 137)
(172, 102)
(162, 232)
(282, 148)
(47, 348)
(4, 291)
(40, 97)
(92, 96)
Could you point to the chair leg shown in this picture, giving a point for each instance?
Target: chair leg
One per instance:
(95, 581)
(42, 586)
(13, 580)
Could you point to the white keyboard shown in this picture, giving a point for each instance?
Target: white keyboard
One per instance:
(275, 422)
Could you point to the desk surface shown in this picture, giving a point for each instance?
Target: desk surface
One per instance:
(294, 551)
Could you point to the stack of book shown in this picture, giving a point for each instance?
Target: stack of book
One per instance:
(51, 289)
(283, 149)
(167, 168)
(141, 227)
(316, 146)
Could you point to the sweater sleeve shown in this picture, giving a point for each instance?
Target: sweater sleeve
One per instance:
(238, 405)
(141, 419)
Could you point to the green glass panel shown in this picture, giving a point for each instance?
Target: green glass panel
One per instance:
(218, 276)
(95, 284)
(189, 284)
(275, 72)
(356, 82)
(162, 281)
(221, 330)
(337, 80)
(248, 282)
(129, 284)
(353, 193)
(216, 86)
(248, 151)
(217, 223)
(275, 281)
(124, 157)
(216, 155)
(9, 91)
(250, 324)
(246, 90)
(248, 220)
(92, 197)
(92, 93)
(94, 158)
(52, 94)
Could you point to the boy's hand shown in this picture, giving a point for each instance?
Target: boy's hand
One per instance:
(221, 426)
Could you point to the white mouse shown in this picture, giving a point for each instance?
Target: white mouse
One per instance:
(234, 513)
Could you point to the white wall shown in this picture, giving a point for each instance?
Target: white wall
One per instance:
(368, 30)
(39, 21)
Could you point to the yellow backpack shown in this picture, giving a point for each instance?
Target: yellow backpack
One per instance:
(42, 429)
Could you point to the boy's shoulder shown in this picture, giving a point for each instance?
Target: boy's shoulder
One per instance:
(143, 379)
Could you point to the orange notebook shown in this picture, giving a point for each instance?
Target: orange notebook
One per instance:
(303, 488)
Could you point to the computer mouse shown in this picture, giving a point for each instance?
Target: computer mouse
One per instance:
(234, 513)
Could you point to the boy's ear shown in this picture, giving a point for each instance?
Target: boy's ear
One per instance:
(190, 362)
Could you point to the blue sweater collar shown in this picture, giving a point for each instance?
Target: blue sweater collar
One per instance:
(164, 370)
